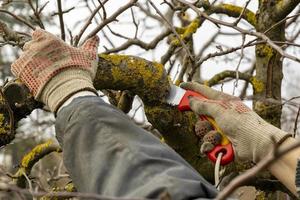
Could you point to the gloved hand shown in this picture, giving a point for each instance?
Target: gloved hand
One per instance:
(53, 70)
(252, 137)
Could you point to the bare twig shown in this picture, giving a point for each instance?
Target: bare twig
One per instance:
(63, 12)
(61, 20)
(173, 30)
(239, 63)
(37, 13)
(136, 24)
(18, 18)
(281, 21)
(86, 25)
(111, 18)
(242, 13)
(262, 36)
(140, 43)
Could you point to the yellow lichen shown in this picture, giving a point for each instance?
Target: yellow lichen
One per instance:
(260, 195)
(257, 85)
(3, 127)
(177, 82)
(188, 32)
(150, 73)
(260, 107)
(28, 158)
(70, 187)
(264, 51)
(236, 11)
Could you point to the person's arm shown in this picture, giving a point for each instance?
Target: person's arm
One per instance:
(251, 136)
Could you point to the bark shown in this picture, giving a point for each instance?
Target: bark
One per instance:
(268, 66)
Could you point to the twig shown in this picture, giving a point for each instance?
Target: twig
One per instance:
(223, 52)
(136, 24)
(18, 18)
(29, 182)
(103, 8)
(239, 64)
(37, 13)
(111, 18)
(173, 30)
(61, 20)
(262, 36)
(137, 42)
(43, 7)
(63, 12)
(242, 13)
(281, 21)
(86, 25)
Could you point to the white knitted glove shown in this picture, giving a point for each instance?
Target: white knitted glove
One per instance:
(252, 137)
(53, 70)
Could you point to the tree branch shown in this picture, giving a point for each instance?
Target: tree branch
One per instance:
(61, 20)
(227, 74)
(30, 159)
(231, 11)
(111, 18)
(20, 19)
(284, 8)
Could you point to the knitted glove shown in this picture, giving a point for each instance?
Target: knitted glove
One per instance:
(53, 70)
(251, 136)
(209, 137)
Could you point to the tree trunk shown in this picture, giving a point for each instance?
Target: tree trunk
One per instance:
(267, 92)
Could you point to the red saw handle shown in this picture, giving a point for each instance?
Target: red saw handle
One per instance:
(225, 147)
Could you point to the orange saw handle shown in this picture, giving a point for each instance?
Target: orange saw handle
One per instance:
(225, 147)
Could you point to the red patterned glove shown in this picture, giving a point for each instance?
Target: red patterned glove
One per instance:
(53, 70)
(251, 136)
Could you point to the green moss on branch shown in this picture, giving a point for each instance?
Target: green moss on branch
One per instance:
(31, 158)
(120, 72)
(232, 11)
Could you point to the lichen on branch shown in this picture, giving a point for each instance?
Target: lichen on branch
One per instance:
(31, 158)
(144, 78)
(231, 11)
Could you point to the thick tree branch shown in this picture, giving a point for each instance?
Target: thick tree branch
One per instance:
(30, 159)
(231, 11)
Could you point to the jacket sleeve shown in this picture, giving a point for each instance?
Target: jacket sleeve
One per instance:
(107, 154)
